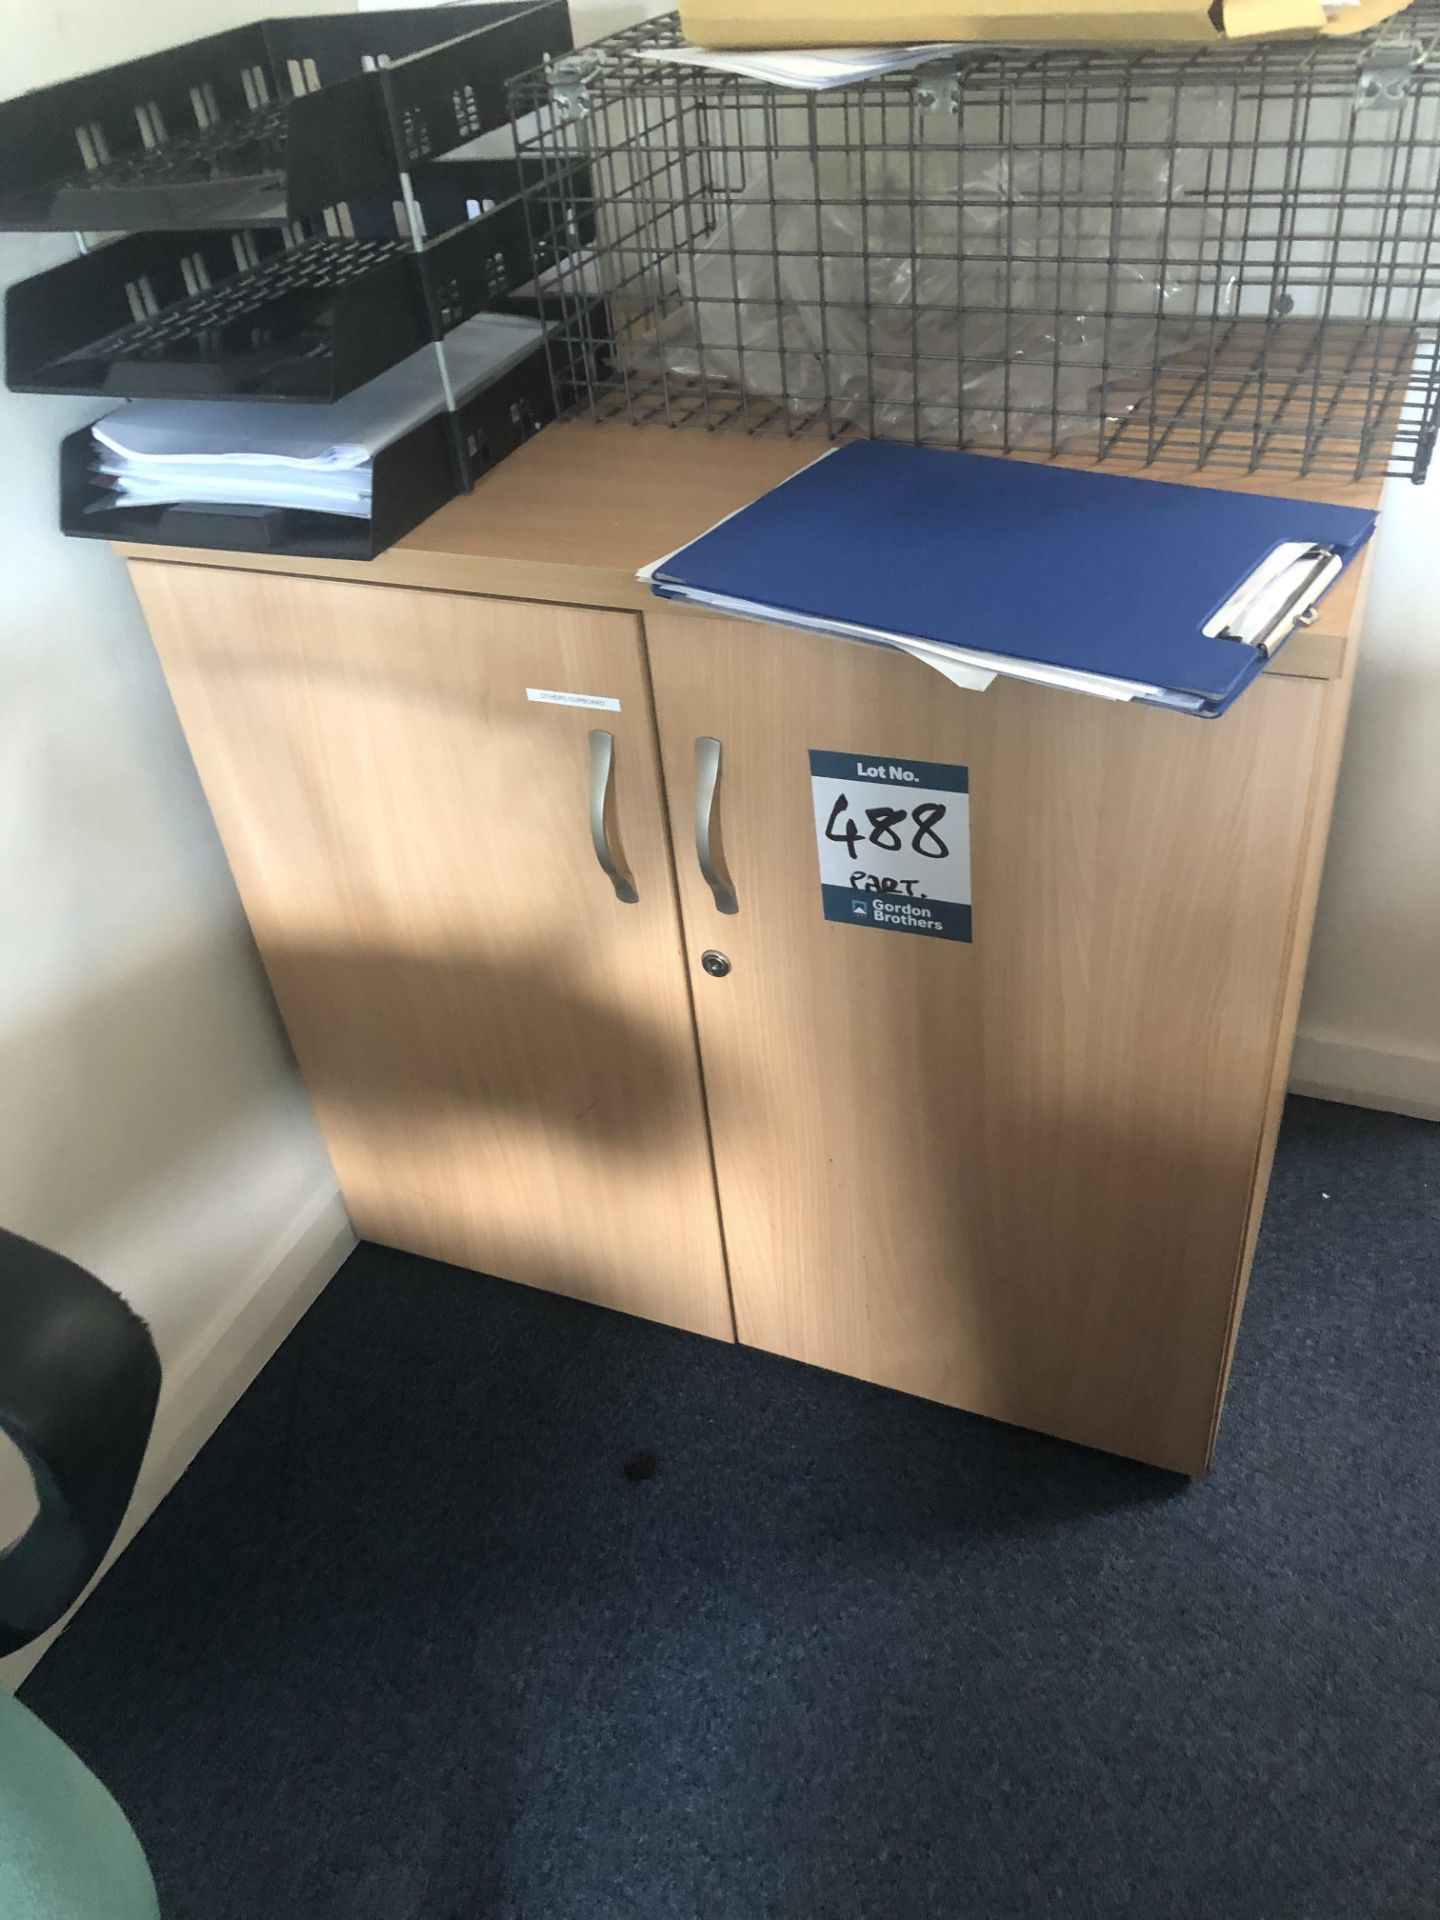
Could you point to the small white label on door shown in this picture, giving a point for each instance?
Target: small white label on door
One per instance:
(548, 697)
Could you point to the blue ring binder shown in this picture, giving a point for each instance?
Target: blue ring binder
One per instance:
(1155, 590)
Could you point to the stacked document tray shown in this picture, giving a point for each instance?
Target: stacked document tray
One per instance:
(323, 210)
(303, 312)
(341, 482)
(268, 122)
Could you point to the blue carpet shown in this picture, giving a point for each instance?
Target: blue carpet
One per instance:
(408, 1643)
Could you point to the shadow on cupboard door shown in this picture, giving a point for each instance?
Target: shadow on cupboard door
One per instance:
(499, 1046)
(1011, 1171)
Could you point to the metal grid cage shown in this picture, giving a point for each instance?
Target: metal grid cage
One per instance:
(1207, 257)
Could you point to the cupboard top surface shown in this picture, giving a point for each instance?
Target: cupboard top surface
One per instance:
(575, 513)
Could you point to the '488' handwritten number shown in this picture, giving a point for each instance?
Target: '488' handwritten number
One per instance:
(884, 825)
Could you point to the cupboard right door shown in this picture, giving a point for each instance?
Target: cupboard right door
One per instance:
(988, 1136)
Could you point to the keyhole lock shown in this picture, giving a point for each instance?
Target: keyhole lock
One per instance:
(715, 964)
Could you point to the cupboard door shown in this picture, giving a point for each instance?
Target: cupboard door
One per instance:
(500, 1050)
(1011, 1172)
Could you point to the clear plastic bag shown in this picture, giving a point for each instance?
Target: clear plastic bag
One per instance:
(950, 292)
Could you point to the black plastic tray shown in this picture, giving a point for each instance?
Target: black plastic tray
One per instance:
(413, 477)
(294, 314)
(265, 123)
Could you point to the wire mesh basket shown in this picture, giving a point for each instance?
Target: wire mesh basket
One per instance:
(1219, 257)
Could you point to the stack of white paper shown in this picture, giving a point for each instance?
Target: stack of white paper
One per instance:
(812, 69)
(286, 454)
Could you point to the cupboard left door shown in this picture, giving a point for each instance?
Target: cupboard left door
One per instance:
(499, 1046)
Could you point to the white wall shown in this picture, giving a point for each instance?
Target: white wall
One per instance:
(75, 36)
(152, 1125)
(592, 19)
(1370, 1025)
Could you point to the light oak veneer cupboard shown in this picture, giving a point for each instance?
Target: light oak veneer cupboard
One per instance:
(1022, 1175)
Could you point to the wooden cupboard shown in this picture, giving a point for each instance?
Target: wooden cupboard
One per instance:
(1020, 1174)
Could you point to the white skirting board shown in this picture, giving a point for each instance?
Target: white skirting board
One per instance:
(203, 1385)
(1359, 1076)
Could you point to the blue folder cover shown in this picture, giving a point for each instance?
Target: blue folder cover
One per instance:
(1094, 572)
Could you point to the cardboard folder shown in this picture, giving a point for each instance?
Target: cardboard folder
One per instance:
(822, 23)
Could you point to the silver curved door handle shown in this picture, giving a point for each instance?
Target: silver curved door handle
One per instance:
(602, 811)
(708, 849)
